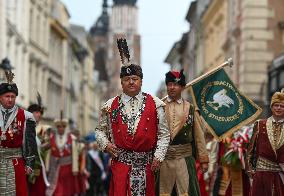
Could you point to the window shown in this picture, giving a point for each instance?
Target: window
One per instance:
(281, 77)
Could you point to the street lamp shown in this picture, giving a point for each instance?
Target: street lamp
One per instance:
(5, 65)
(275, 78)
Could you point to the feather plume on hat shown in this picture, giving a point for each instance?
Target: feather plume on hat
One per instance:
(9, 86)
(9, 76)
(37, 107)
(127, 68)
(62, 121)
(176, 77)
(39, 99)
(123, 51)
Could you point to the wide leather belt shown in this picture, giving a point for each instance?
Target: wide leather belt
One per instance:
(179, 151)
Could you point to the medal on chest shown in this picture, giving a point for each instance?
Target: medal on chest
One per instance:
(11, 130)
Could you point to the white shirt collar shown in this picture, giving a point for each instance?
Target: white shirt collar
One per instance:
(273, 120)
(127, 98)
(179, 101)
(9, 110)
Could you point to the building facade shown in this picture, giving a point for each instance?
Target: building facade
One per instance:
(98, 39)
(38, 65)
(37, 39)
(15, 40)
(85, 90)
(248, 31)
(58, 68)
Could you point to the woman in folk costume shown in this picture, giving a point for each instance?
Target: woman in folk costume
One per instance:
(17, 141)
(134, 131)
(62, 163)
(177, 174)
(265, 159)
(38, 179)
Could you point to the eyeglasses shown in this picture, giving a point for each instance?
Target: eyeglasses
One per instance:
(130, 78)
(278, 105)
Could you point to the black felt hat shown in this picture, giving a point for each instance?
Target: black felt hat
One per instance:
(37, 107)
(127, 68)
(176, 77)
(7, 87)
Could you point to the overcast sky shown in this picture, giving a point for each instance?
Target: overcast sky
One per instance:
(161, 24)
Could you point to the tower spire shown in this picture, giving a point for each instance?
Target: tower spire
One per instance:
(124, 2)
(105, 6)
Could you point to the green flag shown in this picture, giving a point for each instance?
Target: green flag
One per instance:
(222, 106)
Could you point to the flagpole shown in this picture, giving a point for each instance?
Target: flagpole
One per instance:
(229, 62)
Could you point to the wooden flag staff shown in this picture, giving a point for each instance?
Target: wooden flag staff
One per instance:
(229, 62)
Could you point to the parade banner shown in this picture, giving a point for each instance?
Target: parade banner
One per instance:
(221, 105)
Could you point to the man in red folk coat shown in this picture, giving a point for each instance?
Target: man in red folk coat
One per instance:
(62, 162)
(17, 141)
(265, 160)
(134, 131)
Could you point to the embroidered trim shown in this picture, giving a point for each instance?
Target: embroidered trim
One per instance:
(267, 165)
(12, 124)
(7, 171)
(137, 175)
(130, 121)
(135, 159)
(270, 132)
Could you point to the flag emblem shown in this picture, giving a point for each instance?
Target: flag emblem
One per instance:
(221, 99)
(221, 105)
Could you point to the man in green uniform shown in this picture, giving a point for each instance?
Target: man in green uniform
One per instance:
(177, 174)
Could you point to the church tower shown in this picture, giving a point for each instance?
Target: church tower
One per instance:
(121, 20)
(123, 23)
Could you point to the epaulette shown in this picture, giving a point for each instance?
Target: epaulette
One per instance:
(29, 115)
(106, 107)
(158, 102)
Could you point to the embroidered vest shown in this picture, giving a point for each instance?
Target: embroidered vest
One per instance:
(264, 148)
(15, 132)
(185, 134)
(145, 138)
(66, 151)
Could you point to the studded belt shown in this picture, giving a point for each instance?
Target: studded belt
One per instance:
(137, 174)
(135, 159)
(267, 165)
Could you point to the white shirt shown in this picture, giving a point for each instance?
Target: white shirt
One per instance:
(104, 128)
